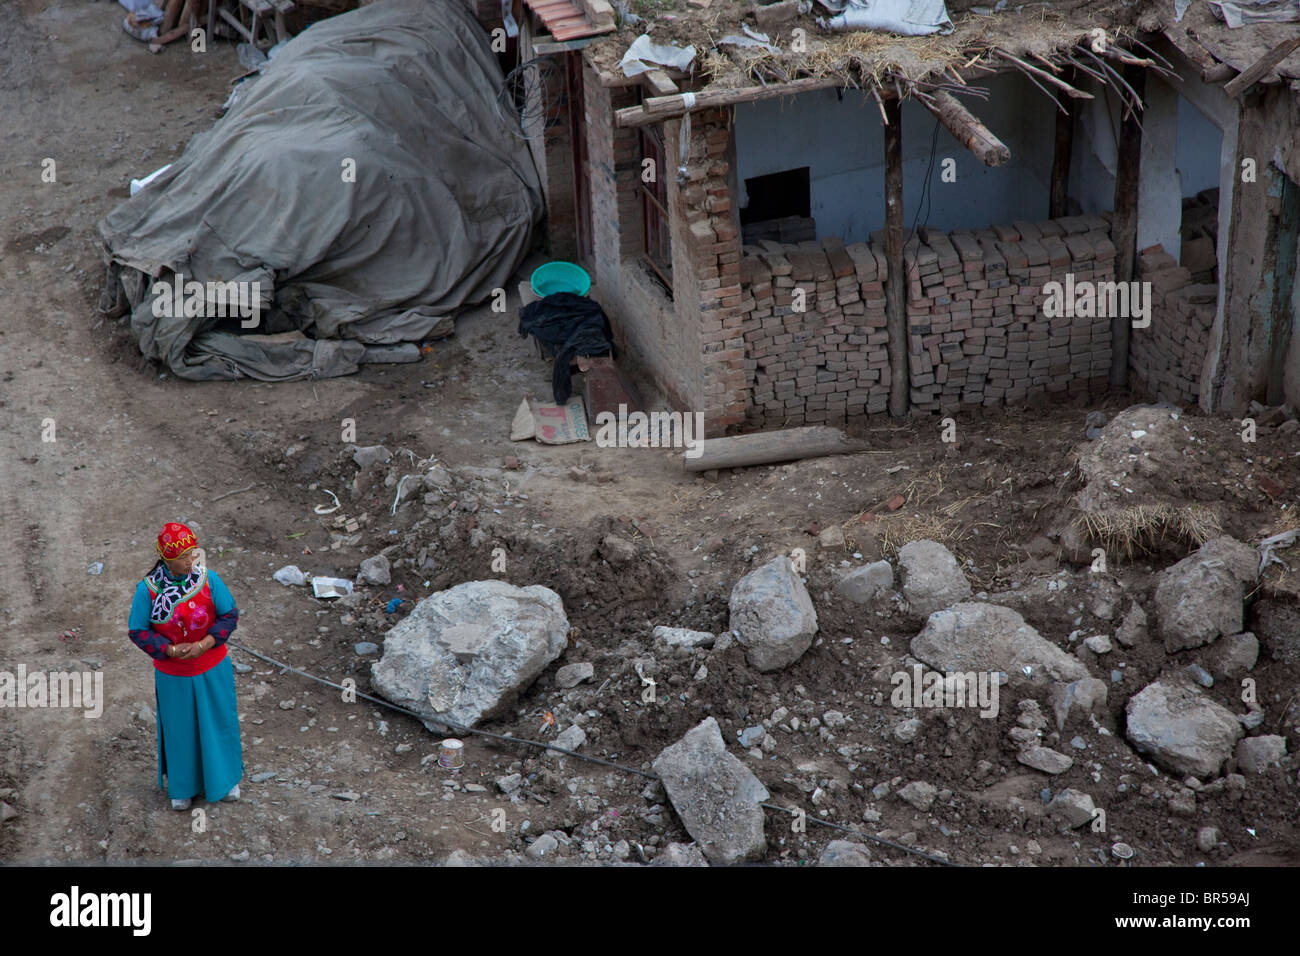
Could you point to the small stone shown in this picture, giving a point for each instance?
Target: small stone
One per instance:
(1098, 644)
(510, 783)
(571, 675)
(144, 714)
(1251, 720)
(545, 845)
(571, 739)
(290, 575)
(287, 704)
(370, 455)
(863, 584)
(919, 794)
(1207, 838)
(906, 731)
(1257, 754)
(834, 719)
(1199, 674)
(1045, 759)
(262, 776)
(751, 736)
(376, 570)
(7, 812)
(364, 648)
(1078, 743)
(347, 795)
(1133, 629)
(1074, 807)
(831, 539)
(844, 853)
(681, 638)
(240, 857)
(619, 552)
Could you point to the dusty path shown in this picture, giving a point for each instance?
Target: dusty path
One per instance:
(335, 782)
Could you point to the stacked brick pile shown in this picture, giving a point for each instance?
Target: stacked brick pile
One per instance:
(1166, 359)
(828, 361)
(977, 334)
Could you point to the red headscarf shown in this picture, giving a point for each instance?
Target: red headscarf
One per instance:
(174, 540)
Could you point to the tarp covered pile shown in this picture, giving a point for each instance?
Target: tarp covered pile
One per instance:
(440, 213)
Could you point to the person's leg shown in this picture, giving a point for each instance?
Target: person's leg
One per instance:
(218, 716)
(179, 735)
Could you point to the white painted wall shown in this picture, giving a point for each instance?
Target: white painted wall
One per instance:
(1199, 143)
(842, 143)
(1095, 149)
(1160, 203)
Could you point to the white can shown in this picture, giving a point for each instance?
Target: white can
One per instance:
(451, 754)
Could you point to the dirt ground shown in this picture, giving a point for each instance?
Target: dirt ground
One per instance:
(245, 464)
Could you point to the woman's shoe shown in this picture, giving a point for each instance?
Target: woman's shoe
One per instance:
(181, 804)
(232, 796)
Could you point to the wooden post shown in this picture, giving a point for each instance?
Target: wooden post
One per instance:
(1124, 224)
(1059, 194)
(1288, 228)
(896, 281)
(1262, 67)
(966, 129)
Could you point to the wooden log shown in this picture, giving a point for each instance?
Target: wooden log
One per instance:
(966, 129)
(1262, 67)
(1124, 224)
(1218, 73)
(656, 109)
(1058, 192)
(762, 448)
(895, 306)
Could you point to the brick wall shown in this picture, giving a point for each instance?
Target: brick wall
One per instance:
(977, 332)
(824, 363)
(1166, 359)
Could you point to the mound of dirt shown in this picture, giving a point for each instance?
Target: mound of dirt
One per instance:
(1148, 485)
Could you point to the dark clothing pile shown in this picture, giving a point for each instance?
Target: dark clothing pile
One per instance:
(572, 325)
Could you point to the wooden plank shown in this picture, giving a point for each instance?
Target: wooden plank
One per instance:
(895, 307)
(966, 129)
(1262, 67)
(1124, 224)
(548, 45)
(234, 22)
(658, 83)
(761, 448)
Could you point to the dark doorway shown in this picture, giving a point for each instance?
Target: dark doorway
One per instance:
(778, 195)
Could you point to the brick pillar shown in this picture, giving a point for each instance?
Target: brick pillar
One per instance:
(706, 264)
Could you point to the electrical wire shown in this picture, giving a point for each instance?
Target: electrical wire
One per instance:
(471, 731)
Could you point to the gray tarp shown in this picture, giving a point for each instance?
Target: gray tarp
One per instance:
(440, 214)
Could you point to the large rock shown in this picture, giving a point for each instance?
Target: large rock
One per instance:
(989, 637)
(772, 615)
(465, 654)
(932, 578)
(1199, 598)
(1181, 729)
(1074, 807)
(715, 795)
